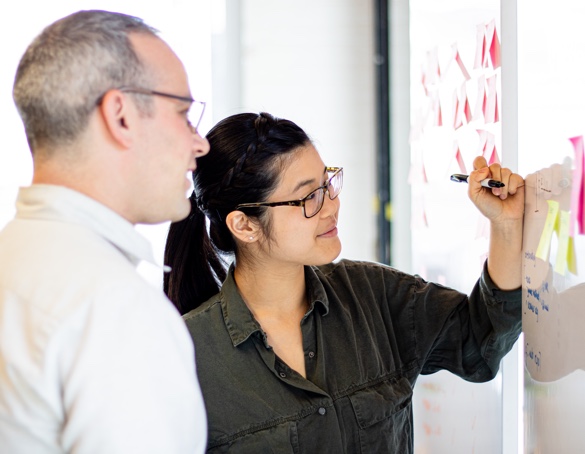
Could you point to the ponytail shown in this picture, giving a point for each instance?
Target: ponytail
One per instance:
(197, 269)
(247, 151)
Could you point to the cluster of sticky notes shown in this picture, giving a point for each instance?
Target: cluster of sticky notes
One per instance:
(487, 46)
(564, 222)
(487, 56)
(456, 98)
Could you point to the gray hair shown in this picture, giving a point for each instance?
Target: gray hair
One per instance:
(67, 69)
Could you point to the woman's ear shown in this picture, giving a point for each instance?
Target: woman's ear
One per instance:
(118, 114)
(242, 227)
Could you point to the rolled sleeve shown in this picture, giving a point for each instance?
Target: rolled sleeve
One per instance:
(473, 333)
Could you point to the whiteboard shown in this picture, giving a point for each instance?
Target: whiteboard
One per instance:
(551, 111)
(553, 292)
(453, 79)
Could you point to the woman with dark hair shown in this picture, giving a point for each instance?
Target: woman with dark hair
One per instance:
(296, 353)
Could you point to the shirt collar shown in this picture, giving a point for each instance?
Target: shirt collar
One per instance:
(61, 204)
(316, 290)
(240, 322)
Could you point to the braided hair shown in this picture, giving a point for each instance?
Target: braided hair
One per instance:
(247, 153)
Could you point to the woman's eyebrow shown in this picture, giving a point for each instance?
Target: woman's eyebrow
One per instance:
(303, 184)
(307, 182)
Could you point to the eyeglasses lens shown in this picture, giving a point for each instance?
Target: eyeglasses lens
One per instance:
(195, 114)
(335, 185)
(314, 201)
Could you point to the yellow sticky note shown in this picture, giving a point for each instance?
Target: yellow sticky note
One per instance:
(561, 262)
(572, 257)
(549, 226)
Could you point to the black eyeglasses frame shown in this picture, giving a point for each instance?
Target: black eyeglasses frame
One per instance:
(149, 92)
(301, 202)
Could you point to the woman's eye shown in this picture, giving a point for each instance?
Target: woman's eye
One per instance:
(311, 196)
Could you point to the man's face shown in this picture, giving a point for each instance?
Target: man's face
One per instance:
(166, 146)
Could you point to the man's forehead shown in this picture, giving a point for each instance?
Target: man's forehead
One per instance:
(159, 58)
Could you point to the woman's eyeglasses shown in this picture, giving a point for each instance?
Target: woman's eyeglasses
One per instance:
(313, 202)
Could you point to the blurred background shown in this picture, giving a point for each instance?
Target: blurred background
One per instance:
(376, 85)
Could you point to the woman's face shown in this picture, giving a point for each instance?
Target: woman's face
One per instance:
(296, 239)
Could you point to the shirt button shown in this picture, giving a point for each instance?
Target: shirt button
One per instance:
(322, 411)
(282, 375)
(311, 354)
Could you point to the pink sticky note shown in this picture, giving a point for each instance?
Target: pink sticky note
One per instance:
(460, 162)
(495, 54)
(491, 104)
(494, 157)
(581, 203)
(458, 111)
(489, 151)
(482, 140)
(485, 63)
(462, 109)
(489, 148)
(479, 99)
(466, 108)
(460, 62)
(479, 46)
(577, 192)
(436, 108)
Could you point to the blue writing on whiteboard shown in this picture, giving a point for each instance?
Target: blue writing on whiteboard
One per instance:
(530, 355)
(533, 308)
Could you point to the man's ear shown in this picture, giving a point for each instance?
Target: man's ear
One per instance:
(118, 114)
(242, 227)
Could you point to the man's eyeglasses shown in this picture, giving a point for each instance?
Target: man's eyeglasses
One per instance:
(196, 110)
(313, 202)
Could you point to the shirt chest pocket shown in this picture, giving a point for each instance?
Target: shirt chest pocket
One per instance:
(278, 439)
(383, 414)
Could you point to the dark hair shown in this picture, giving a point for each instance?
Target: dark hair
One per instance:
(243, 166)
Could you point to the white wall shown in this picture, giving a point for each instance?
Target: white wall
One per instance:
(184, 25)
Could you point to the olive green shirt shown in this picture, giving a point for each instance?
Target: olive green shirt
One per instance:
(368, 334)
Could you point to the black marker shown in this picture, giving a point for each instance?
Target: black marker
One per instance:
(487, 183)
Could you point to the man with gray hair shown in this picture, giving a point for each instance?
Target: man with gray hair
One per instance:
(93, 359)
